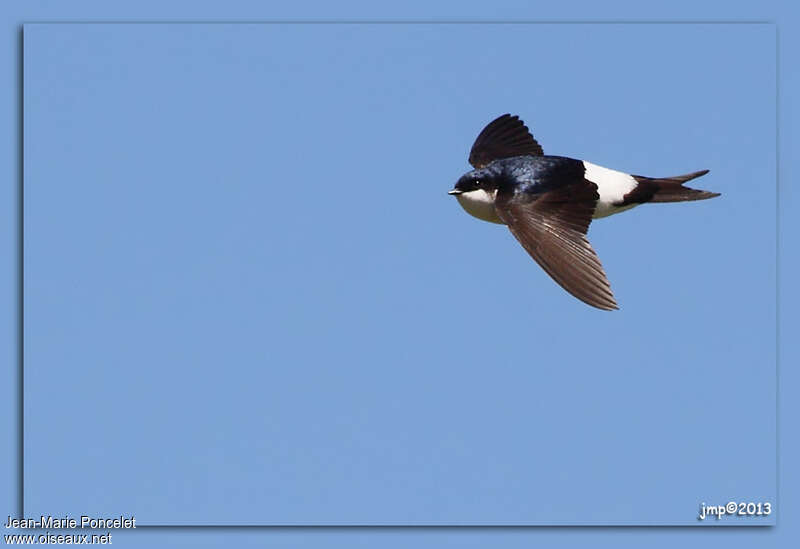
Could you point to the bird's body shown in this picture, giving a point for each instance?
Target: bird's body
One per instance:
(549, 201)
(531, 174)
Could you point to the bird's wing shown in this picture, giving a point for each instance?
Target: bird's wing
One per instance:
(503, 137)
(552, 229)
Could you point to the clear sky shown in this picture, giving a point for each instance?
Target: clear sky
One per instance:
(251, 298)
(245, 280)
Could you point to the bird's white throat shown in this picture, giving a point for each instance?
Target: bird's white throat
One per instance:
(480, 203)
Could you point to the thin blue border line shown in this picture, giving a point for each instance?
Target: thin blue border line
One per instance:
(777, 274)
(20, 277)
(402, 22)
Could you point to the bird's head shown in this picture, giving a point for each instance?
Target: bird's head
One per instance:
(476, 180)
(476, 192)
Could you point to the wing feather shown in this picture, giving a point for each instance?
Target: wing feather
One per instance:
(503, 137)
(552, 229)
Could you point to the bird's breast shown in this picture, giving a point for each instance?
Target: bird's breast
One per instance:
(480, 203)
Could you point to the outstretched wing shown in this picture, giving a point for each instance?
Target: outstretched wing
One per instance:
(503, 137)
(552, 228)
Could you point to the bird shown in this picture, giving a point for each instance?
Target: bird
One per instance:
(548, 202)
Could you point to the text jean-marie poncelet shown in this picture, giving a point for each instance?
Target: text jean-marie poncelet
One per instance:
(84, 521)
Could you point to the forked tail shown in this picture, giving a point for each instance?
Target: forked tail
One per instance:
(671, 189)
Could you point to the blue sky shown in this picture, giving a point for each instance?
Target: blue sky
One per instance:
(207, 303)
(247, 228)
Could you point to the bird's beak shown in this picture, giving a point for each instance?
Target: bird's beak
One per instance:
(454, 192)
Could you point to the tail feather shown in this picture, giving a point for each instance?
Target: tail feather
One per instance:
(671, 189)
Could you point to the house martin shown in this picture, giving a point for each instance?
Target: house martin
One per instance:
(548, 202)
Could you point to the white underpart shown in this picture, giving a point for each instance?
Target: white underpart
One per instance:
(480, 203)
(612, 186)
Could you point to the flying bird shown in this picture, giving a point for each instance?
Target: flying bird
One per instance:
(548, 202)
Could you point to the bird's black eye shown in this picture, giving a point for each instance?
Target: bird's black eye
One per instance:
(476, 184)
